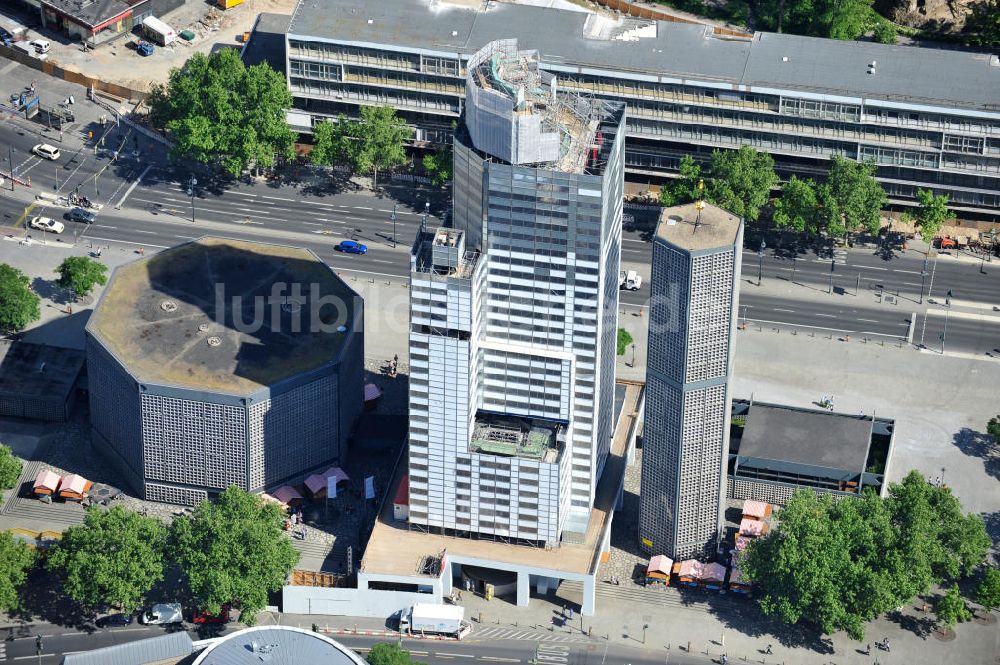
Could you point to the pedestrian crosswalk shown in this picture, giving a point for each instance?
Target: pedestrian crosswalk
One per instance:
(494, 633)
(838, 256)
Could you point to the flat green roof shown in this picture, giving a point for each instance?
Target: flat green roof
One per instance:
(224, 315)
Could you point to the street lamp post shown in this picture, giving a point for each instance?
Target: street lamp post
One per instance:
(633, 355)
(794, 259)
(923, 276)
(760, 263)
(191, 185)
(947, 311)
(394, 225)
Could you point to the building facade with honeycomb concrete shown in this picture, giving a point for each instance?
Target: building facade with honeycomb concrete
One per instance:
(513, 311)
(221, 362)
(694, 291)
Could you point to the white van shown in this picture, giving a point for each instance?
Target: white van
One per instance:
(162, 613)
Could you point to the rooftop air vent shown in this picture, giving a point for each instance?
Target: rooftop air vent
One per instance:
(214, 341)
(454, 33)
(370, 21)
(673, 219)
(168, 306)
(784, 58)
(203, 327)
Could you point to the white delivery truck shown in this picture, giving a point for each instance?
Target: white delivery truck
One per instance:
(162, 613)
(430, 619)
(157, 31)
(629, 280)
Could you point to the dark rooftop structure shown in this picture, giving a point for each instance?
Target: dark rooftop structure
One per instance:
(809, 447)
(185, 317)
(267, 42)
(763, 61)
(94, 14)
(37, 380)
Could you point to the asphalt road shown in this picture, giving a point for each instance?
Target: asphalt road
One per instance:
(57, 641)
(840, 292)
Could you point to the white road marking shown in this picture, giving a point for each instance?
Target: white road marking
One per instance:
(912, 272)
(152, 233)
(871, 268)
(829, 316)
(244, 194)
(363, 208)
(133, 186)
(780, 309)
(972, 316)
(382, 261)
(868, 320)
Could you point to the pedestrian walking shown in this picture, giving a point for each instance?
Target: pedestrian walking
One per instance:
(571, 613)
(305, 532)
(868, 649)
(768, 650)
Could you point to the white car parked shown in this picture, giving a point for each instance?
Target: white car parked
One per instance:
(46, 224)
(41, 45)
(46, 151)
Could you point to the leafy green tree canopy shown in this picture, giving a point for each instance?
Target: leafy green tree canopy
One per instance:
(16, 559)
(993, 428)
(988, 589)
(385, 653)
(951, 609)
(80, 274)
(624, 339)
(796, 208)
(860, 197)
(839, 564)
(218, 110)
(233, 551)
(932, 213)
(685, 189)
(983, 23)
(742, 181)
(439, 166)
(835, 19)
(114, 557)
(331, 142)
(10, 468)
(19, 305)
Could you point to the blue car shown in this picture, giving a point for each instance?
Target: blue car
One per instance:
(352, 247)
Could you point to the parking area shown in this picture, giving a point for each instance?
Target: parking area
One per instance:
(119, 62)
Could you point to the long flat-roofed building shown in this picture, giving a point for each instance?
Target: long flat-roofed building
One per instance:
(694, 290)
(929, 117)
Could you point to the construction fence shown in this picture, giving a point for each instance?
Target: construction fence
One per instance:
(72, 76)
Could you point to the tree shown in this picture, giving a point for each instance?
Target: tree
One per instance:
(233, 551)
(828, 215)
(439, 166)
(624, 340)
(81, 274)
(993, 428)
(218, 110)
(885, 31)
(385, 653)
(114, 557)
(796, 208)
(951, 609)
(688, 187)
(839, 564)
(984, 23)
(16, 559)
(859, 195)
(10, 468)
(931, 215)
(380, 137)
(331, 143)
(835, 19)
(19, 305)
(742, 181)
(988, 590)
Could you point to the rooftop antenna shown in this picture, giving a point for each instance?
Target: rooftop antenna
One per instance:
(700, 205)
